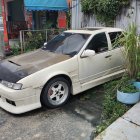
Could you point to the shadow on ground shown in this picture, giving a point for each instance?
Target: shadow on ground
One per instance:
(74, 121)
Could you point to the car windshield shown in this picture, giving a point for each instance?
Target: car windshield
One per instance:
(67, 43)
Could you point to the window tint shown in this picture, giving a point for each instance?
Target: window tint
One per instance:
(75, 43)
(114, 36)
(98, 43)
(67, 43)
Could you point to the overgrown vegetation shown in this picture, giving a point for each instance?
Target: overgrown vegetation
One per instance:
(35, 40)
(131, 42)
(105, 10)
(112, 109)
(15, 50)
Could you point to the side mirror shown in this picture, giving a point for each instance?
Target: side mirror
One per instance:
(88, 53)
(45, 44)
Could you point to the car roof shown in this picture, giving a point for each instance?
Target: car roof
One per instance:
(92, 30)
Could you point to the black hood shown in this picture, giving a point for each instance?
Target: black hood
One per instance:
(16, 68)
(10, 72)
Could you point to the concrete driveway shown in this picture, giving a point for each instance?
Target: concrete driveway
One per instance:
(74, 121)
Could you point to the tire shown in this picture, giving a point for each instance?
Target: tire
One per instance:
(55, 93)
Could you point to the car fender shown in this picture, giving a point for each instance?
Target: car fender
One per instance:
(40, 78)
(54, 74)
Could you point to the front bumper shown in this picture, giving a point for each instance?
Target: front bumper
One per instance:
(19, 101)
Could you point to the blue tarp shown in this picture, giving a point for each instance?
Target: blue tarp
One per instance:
(56, 5)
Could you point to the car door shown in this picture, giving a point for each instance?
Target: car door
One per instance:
(98, 65)
(116, 52)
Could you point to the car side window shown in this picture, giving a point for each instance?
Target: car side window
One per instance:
(113, 37)
(98, 43)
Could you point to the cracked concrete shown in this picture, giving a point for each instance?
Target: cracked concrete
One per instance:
(126, 127)
(74, 121)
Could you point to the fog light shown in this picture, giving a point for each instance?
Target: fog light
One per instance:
(10, 102)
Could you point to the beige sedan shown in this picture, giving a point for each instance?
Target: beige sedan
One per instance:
(72, 62)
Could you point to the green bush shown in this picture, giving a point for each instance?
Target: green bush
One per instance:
(35, 40)
(131, 42)
(15, 50)
(105, 10)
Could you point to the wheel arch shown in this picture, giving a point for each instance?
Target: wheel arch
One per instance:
(56, 76)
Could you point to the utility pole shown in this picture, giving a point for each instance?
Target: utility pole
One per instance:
(6, 40)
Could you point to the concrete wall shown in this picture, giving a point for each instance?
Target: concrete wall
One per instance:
(127, 16)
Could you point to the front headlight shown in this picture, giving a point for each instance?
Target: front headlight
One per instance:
(15, 86)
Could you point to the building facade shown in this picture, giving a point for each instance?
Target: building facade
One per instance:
(34, 14)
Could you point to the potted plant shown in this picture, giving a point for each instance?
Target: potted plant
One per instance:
(127, 89)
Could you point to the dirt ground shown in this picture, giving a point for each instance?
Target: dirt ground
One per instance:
(74, 121)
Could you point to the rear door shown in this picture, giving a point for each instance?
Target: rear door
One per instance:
(116, 59)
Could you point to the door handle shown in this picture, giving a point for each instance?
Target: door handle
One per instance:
(108, 56)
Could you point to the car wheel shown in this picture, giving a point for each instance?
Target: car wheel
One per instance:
(56, 93)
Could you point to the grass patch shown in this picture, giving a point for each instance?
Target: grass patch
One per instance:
(112, 109)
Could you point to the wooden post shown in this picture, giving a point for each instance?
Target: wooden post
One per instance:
(21, 41)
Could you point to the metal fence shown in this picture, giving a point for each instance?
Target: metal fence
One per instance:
(34, 39)
(1, 44)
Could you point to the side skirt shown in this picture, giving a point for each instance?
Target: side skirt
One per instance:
(99, 81)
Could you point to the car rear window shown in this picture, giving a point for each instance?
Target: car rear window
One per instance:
(98, 43)
(114, 36)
